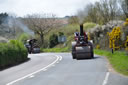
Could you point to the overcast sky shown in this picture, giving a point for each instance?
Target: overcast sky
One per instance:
(59, 7)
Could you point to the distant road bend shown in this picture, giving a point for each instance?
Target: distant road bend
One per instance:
(61, 69)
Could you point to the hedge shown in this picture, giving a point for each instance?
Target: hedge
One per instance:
(12, 53)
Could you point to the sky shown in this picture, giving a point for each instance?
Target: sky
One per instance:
(60, 8)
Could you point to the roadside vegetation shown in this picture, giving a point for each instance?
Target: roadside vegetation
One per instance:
(118, 60)
(65, 49)
(12, 53)
(68, 31)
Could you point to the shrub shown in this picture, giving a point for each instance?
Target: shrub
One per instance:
(98, 46)
(53, 40)
(23, 37)
(126, 22)
(89, 25)
(115, 38)
(61, 33)
(12, 53)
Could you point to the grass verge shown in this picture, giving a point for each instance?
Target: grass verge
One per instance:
(66, 49)
(118, 60)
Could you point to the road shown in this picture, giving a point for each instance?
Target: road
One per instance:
(61, 69)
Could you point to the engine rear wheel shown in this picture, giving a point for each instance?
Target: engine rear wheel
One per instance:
(92, 53)
(74, 56)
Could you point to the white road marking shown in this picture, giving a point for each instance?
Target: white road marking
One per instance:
(31, 76)
(106, 78)
(44, 69)
(58, 58)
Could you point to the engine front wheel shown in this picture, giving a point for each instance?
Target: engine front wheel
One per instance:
(92, 55)
(73, 50)
(73, 55)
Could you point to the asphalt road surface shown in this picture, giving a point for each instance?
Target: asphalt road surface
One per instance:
(61, 69)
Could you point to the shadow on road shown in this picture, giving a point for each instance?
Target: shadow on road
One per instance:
(9, 66)
(97, 57)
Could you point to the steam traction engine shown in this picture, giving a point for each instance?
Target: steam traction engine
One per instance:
(32, 46)
(81, 47)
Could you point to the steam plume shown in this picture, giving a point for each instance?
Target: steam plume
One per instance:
(82, 14)
(17, 22)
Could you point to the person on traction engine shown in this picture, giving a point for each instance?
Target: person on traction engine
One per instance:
(86, 37)
(77, 35)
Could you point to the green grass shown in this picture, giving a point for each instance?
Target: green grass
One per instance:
(118, 60)
(66, 49)
(89, 25)
(70, 29)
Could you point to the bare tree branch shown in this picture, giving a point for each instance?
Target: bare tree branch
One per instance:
(42, 24)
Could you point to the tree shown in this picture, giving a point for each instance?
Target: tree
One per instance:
(42, 24)
(102, 12)
(93, 12)
(114, 8)
(124, 6)
(108, 10)
(3, 17)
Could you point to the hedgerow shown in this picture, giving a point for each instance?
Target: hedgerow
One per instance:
(12, 53)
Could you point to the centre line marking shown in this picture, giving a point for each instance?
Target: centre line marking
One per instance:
(106, 78)
(58, 58)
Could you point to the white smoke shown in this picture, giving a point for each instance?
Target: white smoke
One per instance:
(82, 14)
(17, 23)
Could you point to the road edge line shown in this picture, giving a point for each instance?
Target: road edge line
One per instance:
(58, 57)
(106, 78)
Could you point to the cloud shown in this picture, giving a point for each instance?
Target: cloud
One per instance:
(59, 7)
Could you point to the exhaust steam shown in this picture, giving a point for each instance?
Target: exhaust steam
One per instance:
(16, 23)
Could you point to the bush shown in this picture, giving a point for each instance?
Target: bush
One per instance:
(23, 37)
(12, 53)
(61, 33)
(53, 40)
(89, 25)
